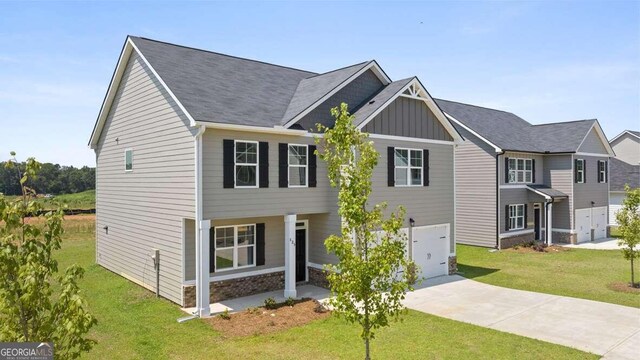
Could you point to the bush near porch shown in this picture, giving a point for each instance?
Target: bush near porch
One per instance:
(133, 324)
(580, 273)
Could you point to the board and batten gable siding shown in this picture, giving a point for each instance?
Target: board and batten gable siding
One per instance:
(355, 93)
(409, 118)
(427, 205)
(558, 174)
(237, 203)
(475, 192)
(591, 190)
(144, 208)
(539, 166)
(593, 144)
(627, 149)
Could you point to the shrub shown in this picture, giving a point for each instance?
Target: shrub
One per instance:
(225, 315)
(270, 303)
(290, 301)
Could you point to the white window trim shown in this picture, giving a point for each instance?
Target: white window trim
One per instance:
(524, 171)
(516, 217)
(602, 172)
(409, 167)
(289, 166)
(581, 172)
(235, 165)
(235, 247)
(125, 160)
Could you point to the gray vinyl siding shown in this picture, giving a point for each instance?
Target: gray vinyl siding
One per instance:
(539, 168)
(321, 226)
(627, 149)
(409, 118)
(559, 175)
(427, 205)
(593, 144)
(144, 209)
(475, 164)
(514, 197)
(354, 94)
(235, 203)
(591, 190)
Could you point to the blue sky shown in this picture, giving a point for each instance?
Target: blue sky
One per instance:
(544, 61)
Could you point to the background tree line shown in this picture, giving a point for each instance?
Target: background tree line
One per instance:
(51, 179)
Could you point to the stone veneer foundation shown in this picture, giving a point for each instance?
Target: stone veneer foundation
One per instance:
(512, 241)
(318, 277)
(564, 237)
(233, 288)
(453, 265)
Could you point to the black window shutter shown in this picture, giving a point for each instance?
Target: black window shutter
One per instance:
(228, 161)
(533, 170)
(584, 171)
(506, 218)
(525, 216)
(598, 172)
(283, 159)
(575, 170)
(606, 171)
(425, 167)
(212, 250)
(391, 166)
(506, 171)
(259, 244)
(312, 166)
(263, 154)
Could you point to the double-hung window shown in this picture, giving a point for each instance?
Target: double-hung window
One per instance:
(579, 171)
(520, 171)
(235, 247)
(602, 171)
(516, 217)
(298, 165)
(408, 167)
(246, 170)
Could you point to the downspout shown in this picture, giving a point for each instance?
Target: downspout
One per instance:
(498, 199)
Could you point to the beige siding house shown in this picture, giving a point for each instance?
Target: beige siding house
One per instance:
(206, 171)
(517, 182)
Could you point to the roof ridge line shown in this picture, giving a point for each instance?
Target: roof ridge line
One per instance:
(563, 122)
(338, 69)
(221, 54)
(481, 107)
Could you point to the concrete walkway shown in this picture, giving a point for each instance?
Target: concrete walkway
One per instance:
(603, 244)
(592, 326)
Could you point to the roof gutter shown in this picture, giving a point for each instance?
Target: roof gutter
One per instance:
(259, 129)
(498, 215)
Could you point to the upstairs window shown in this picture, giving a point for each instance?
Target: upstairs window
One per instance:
(520, 171)
(408, 167)
(298, 162)
(246, 163)
(602, 171)
(579, 171)
(128, 160)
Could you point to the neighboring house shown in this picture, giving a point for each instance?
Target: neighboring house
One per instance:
(517, 182)
(625, 169)
(209, 159)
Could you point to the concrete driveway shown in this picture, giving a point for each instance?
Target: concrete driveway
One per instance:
(603, 244)
(600, 328)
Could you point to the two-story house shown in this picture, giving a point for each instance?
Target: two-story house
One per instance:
(517, 182)
(206, 161)
(625, 169)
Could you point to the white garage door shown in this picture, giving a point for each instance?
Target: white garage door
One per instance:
(431, 249)
(599, 222)
(583, 224)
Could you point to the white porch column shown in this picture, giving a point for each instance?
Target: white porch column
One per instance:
(549, 224)
(202, 269)
(290, 255)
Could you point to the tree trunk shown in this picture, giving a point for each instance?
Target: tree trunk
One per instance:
(366, 347)
(633, 282)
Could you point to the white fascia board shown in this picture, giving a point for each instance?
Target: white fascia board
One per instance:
(496, 148)
(428, 100)
(622, 133)
(250, 128)
(115, 83)
(373, 65)
(411, 139)
(545, 196)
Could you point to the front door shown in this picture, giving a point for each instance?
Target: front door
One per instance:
(536, 222)
(301, 255)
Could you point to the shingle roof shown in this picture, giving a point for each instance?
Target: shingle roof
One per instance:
(553, 193)
(622, 173)
(636, 133)
(510, 132)
(379, 100)
(221, 88)
(313, 88)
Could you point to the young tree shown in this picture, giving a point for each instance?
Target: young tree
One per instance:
(629, 226)
(367, 284)
(30, 309)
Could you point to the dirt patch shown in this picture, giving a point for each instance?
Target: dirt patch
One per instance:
(257, 321)
(624, 287)
(529, 249)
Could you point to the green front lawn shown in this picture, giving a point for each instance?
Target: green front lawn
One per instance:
(133, 324)
(575, 272)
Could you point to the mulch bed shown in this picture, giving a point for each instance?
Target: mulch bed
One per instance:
(548, 249)
(258, 321)
(623, 287)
